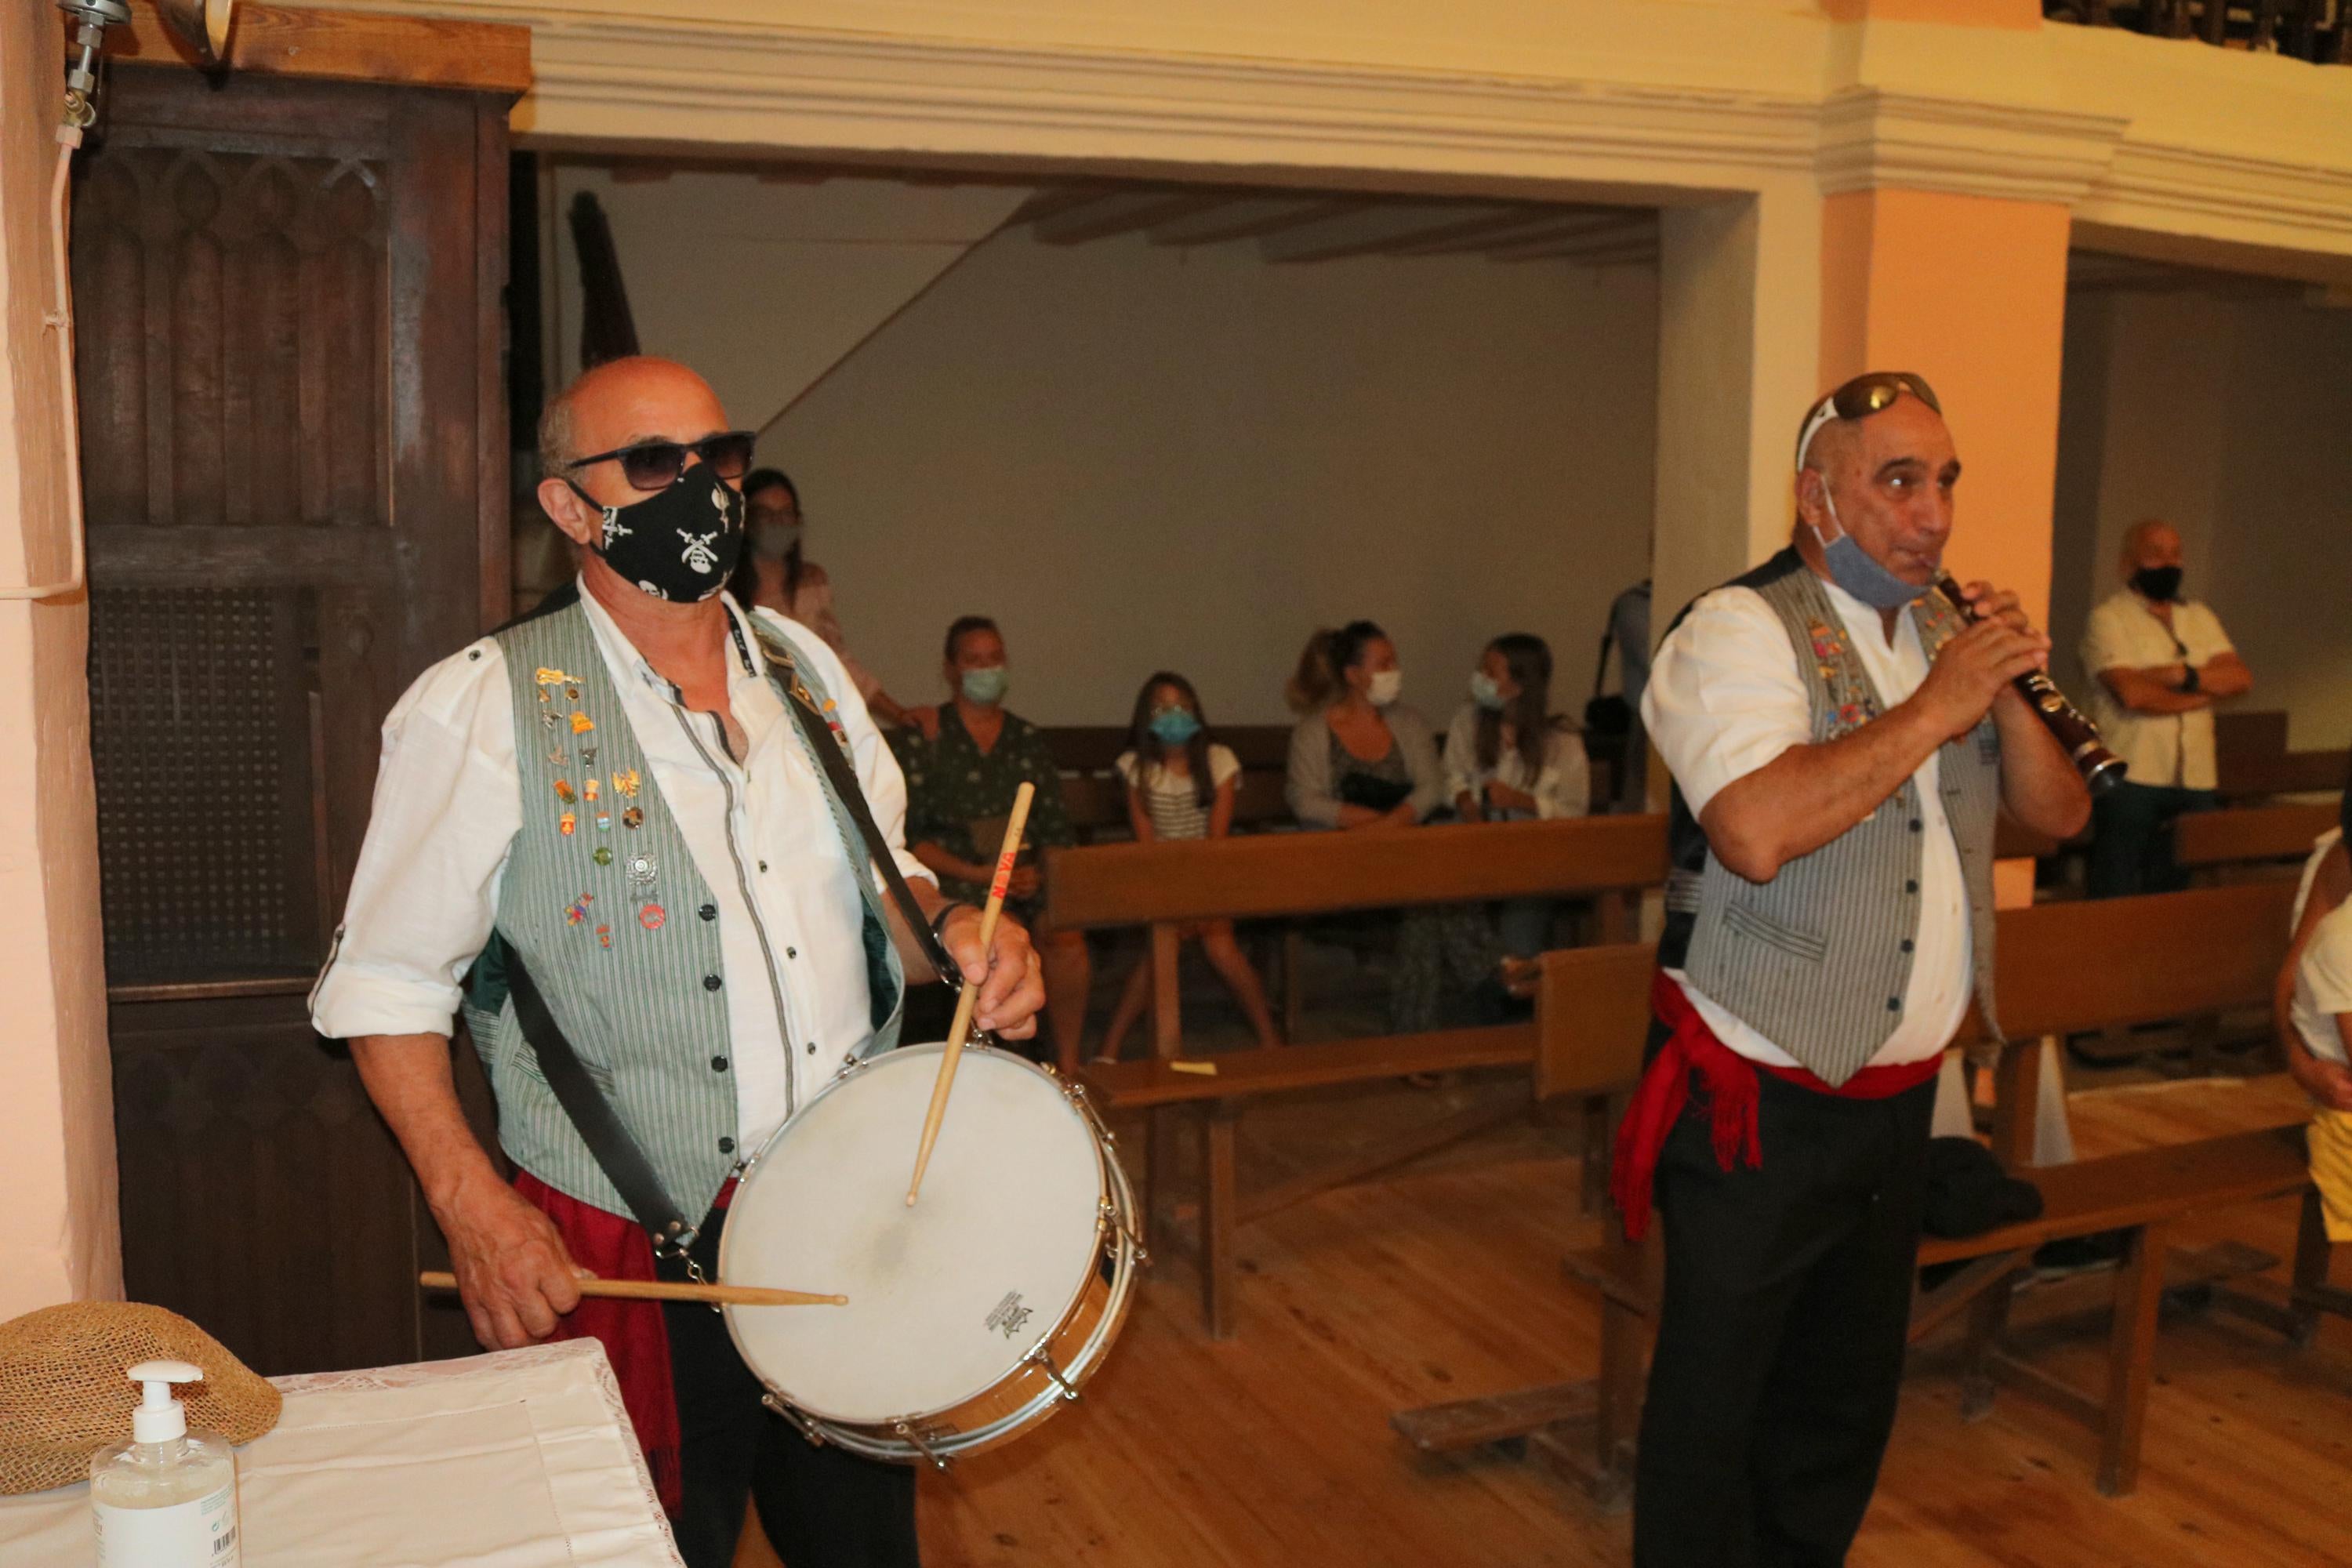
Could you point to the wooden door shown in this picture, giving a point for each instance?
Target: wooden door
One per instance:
(295, 459)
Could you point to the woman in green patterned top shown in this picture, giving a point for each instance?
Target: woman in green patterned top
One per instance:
(964, 760)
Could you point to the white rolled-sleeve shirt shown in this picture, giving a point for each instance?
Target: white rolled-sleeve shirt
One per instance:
(1725, 697)
(448, 805)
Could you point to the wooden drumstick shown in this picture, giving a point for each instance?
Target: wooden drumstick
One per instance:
(970, 994)
(673, 1290)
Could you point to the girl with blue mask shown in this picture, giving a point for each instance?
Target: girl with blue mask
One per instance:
(1180, 786)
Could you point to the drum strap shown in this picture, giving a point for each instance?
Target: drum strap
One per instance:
(599, 1126)
(831, 751)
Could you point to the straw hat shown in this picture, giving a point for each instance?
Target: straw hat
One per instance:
(64, 1395)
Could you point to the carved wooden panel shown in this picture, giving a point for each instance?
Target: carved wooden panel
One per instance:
(234, 318)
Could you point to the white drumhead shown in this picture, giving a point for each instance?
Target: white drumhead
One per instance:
(945, 1298)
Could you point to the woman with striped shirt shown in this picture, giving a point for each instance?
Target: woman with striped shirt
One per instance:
(1179, 786)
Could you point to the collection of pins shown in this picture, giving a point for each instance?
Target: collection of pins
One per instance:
(563, 726)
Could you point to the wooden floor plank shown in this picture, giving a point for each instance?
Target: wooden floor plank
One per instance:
(1443, 1282)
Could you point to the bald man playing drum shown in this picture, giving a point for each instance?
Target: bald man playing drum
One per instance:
(604, 834)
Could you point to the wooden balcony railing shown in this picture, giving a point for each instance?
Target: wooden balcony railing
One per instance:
(2319, 31)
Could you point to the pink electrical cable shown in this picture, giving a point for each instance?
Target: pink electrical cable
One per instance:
(60, 319)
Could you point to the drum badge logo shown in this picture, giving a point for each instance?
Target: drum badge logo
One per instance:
(1009, 1314)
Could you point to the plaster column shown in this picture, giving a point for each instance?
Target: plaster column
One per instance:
(57, 1107)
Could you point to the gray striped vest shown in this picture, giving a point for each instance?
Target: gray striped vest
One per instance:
(1818, 959)
(617, 925)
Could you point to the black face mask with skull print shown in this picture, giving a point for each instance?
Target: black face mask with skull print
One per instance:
(681, 543)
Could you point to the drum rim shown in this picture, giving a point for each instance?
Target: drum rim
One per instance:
(1062, 1315)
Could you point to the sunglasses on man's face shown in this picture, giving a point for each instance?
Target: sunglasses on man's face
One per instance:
(655, 465)
(1860, 398)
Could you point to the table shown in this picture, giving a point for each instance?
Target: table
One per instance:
(516, 1460)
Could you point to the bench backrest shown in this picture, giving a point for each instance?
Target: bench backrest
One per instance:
(1094, 748)
(1592, 1017)
(1320, 873)
(2250, 832)
(2064, 967)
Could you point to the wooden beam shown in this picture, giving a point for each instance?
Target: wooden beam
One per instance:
(1527, 224)
(1377, 229)
(1056, 199)
(344, 45)
(1249, 219)
(1117, 214)
(1598, 230)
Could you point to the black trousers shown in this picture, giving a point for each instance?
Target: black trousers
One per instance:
(1780, 1336)
(822, 1506)
(2131, 838)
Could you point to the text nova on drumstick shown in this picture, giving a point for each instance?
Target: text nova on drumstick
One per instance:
(970, 994)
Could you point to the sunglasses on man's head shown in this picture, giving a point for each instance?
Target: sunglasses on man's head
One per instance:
(655, 465)
(1860, 398)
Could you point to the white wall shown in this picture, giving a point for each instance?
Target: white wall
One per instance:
(1137, 456)
(760, 284)
(2225, 416)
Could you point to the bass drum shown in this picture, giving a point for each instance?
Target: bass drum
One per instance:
(972, 1316)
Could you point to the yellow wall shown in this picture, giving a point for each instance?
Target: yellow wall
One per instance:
(56, 1134)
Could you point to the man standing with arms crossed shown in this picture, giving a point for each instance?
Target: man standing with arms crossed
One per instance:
(1840, 739)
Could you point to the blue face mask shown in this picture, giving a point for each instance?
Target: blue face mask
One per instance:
(985, 685)
(1853, 568)
(1173, 726)
(1484, 693)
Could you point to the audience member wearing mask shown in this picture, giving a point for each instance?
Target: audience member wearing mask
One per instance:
(775, 575)
(2312, 1006)
(1362, 762)
(963, 768)
(1179, 786)
(1509, 758)
(2157, 663)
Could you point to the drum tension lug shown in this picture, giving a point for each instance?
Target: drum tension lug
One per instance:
(800, 1423)
(1045, 1361)
(906, 1429)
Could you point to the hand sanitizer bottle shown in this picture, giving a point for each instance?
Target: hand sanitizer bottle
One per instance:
(167, 1498)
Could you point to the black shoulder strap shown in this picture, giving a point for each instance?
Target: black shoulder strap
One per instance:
(832, 756)
(599, 1126)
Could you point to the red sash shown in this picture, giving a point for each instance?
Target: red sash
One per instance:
(635, 1336)
(1729, 1082)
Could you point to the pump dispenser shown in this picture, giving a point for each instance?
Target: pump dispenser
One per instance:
(167, 1498)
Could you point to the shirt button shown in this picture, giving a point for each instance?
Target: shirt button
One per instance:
(719, 1064)
(1908, 944)
(1912, 886)
(708, 911)
(791, 952)
(812, 1047)
(726, 1145)
(710, 983)
(1895, 1004)
(763, 865)
(1915, 825)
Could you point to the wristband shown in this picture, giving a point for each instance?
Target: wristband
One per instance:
(2189, 682)
(940, 920)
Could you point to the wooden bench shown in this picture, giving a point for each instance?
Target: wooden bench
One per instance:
(2205, 841)
(1165, 885)
(2252, 760)
(2061, 966)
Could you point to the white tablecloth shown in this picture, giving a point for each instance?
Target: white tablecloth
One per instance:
(519, 1459)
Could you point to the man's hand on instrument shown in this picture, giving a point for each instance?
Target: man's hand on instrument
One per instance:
(1991, 604)
(1976, 667)
(513, 1273)
(1011, 987)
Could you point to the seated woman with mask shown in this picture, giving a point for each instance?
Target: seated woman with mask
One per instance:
(1362, 762)
(1509, 758)
(775, 574)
